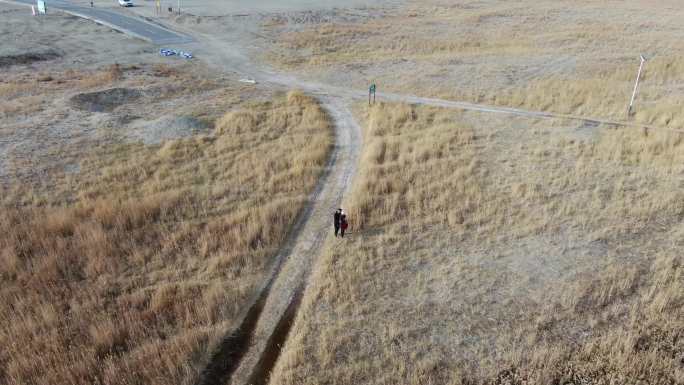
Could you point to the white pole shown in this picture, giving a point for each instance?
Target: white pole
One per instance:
(636, 86)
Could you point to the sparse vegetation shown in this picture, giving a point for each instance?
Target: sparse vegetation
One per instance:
(538, 55)
(509, 251)
(23, 95)
(484, 248)
(150, 255)
(104, 77)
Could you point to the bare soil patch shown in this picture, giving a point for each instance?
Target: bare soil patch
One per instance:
(492, 52)
(106, 100)
(167, 128)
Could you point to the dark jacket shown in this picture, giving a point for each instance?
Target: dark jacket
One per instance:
(336, 218)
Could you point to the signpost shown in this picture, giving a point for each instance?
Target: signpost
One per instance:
(636, 86)
(371, 92)
(41, 7)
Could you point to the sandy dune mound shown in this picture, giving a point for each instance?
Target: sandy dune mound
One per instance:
(105, 101)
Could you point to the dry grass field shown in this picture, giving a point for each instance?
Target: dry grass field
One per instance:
(128, 271)
(542, 55)
(142, 203)
(498, 250)
(51, 119)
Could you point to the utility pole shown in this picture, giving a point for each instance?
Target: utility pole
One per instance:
(636, 85)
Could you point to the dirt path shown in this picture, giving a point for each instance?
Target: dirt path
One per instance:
(248, 355)
(233, 58)
(265, 329)
(265, 326)
(291, 280)
(250, 352)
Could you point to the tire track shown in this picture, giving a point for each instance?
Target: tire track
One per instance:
(281, 307)
(248, 354)
(261, 374)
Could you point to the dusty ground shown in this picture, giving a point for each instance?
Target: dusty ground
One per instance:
(499, 251)
(538, 55)
(73, 39)
(486, 248)
(143, 202)
(24, 96)
(63, 96)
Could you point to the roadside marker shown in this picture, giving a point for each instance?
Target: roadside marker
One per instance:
(636, 86)
(371, 91)
(42, 9)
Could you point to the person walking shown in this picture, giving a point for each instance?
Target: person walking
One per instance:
(336, 220)
(343, 223)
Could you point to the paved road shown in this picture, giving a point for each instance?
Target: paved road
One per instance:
(127, 24)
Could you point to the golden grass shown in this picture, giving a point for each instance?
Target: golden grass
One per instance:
(151, 254)
(398, 137)
(639, 318)
(103, 77)
(164, 70)
(537, 55)
(511, 252)
(606, 93)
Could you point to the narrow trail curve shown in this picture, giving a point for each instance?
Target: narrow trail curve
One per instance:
(233, 58)
(249, 352)
(247, 355)
(282, 303)
(255, 347)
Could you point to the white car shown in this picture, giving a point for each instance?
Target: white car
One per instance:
(126, 3)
